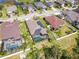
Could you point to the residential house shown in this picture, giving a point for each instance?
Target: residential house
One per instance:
(31, 8)
(54, 22)
(77, 10)
(72, 17)
(40, 5)
(10, 36)
(36, 30)
(11, 8)
(49, 3)
(74, 2)
(61, 2)
(24, 6)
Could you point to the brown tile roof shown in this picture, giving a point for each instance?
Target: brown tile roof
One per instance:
(54, 21)
(9, 30)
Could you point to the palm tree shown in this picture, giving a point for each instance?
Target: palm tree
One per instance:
(77, 39)
(65, 55)
(52, 52)
(47, 52)
(76, 48)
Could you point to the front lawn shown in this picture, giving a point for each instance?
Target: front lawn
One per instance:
(19, 10)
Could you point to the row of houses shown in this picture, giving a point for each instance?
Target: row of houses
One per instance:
(31, 8)
(10, 37)
(37, 30)
(64, 2)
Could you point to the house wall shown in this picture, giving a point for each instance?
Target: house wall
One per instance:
(0, 45)
(11, 44)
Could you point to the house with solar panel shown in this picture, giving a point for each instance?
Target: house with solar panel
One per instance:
(36, 30)
(10, 37)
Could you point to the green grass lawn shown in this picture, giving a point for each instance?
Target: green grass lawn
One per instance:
(65, 42)
(68, 42)
(23, 28)
(64, 30)
(25, 34)
(43, 22)
(20, 11)
(4, 12)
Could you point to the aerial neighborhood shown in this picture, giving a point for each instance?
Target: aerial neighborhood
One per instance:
(39, 29)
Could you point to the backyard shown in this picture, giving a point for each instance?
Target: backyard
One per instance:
(68, 42)
(64, 30)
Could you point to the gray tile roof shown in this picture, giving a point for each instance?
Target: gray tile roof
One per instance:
(31, 7)
(34, 28)
(74, 16)
(32, 25)
(40, 5)
(11, 8)
(49, 4)
(60, 1)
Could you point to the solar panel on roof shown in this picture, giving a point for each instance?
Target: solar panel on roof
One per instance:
(39, 23)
